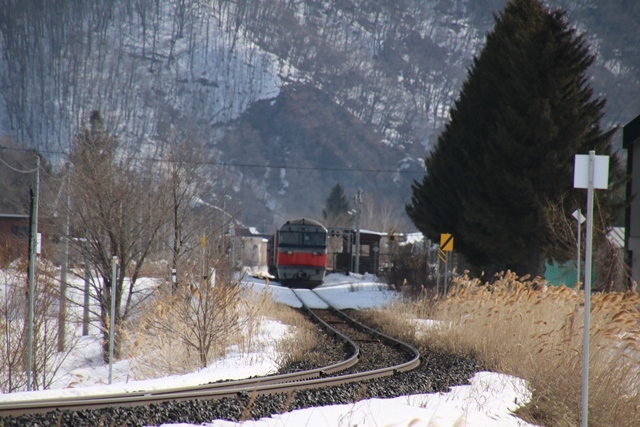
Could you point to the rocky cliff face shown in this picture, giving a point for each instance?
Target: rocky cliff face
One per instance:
(292, 96)
(311, 144)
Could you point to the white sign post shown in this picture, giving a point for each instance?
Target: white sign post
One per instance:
(577, 214)
(590, 172)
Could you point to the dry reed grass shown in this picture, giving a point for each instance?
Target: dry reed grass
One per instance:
(523, 327)
(303, 336)
(393, 319)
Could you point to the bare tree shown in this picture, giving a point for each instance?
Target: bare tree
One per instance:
(611, 273)
(410, 267)
(13, 331)
(118, 210)
(183, 166)
(380, 216)
(193, 325)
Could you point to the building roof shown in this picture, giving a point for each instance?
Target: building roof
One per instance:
(249, 232)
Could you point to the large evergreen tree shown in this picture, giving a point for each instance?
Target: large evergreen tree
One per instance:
(508, 151)
(335, 212)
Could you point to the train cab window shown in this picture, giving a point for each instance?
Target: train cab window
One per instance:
(289, 238)
(315, 239)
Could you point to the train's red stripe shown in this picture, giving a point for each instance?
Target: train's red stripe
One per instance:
(302, 259)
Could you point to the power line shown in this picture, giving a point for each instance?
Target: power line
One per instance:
(317, 168)
(255, 165)
(17, 170)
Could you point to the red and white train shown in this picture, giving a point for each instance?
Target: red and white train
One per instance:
(297, 253)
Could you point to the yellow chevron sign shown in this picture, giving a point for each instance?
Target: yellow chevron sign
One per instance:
(446, 242)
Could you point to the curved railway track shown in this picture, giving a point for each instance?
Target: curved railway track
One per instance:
(364, 343)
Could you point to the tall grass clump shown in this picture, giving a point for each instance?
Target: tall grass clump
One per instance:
(526, 328)
(186, 329)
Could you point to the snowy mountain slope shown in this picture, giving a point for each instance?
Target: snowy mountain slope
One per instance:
(144, 65)
(391, 68)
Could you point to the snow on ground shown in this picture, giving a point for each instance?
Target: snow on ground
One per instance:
(488, 401)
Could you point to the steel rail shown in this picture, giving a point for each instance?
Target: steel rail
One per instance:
(285, 383)
(413, 363)
(210, 390)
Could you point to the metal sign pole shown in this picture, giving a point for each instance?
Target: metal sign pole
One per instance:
(578, 251)
(587, 295)
(590, 172)
(446, 274)
(446, 246)
(577, 214)
(438, 274)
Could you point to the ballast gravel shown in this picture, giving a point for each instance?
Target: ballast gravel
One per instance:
(437, 372)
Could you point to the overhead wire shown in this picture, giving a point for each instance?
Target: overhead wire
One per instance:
(255, 165)
(17, 170)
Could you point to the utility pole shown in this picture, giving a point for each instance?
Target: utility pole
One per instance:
(112, 326)
(232, 244)
(33, 242)
(63, 275)
(203, 245)
(87, 295)
(358, 203)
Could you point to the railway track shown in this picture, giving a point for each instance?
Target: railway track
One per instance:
(372, 355)
(386, 359)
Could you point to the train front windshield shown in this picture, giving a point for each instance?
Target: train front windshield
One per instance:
(302, 238)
